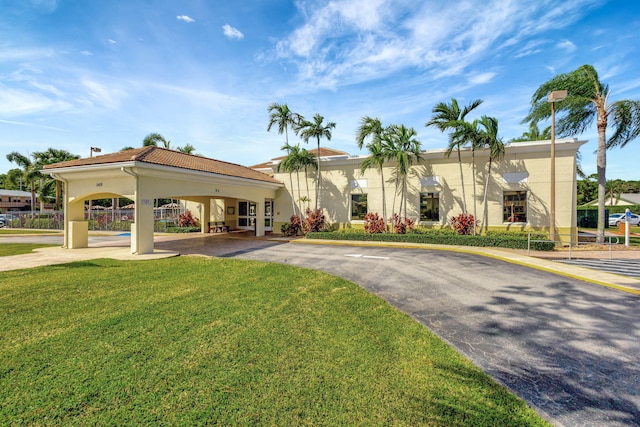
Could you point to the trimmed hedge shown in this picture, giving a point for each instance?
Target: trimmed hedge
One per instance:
(437, 239)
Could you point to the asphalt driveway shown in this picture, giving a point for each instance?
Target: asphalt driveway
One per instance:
(567, 347)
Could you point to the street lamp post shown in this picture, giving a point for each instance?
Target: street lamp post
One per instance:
(555, 96)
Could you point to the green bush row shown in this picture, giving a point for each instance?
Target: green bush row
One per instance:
(512, 242)
(182, 229)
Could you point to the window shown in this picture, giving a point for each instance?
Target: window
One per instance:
(430, 207)
(514, 207)
(358, 206)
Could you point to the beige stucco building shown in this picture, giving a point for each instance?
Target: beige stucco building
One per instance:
(517, 190)
(262, 199)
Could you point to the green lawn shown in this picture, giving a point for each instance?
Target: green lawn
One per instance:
(192, 341)
(7, 249)
(27, 231)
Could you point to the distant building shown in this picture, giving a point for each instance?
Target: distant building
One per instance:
(15, 200)
(622, 199)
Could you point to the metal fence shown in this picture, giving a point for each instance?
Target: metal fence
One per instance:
(577, 240)
(99, 219)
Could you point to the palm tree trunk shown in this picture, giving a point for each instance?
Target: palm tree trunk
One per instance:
(298, 178)
(485, 222)
(306, 181)
(473, 166)
(404, 196)
(293, 204)
(58, 194)
(464, 197)
(384, 202)
(318, 180)
(602, 179)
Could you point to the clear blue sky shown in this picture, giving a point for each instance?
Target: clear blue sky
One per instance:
(82, 73)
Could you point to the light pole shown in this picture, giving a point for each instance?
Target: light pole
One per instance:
(93, 150)
(555, 96)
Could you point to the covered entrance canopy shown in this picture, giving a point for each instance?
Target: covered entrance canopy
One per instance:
(148, 173)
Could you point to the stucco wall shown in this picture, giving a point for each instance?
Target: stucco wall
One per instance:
(531, 160)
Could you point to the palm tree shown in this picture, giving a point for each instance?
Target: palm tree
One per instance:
(588, 99)
(378, 155)
(449, 117)
(283, 117)
(489, 139)
(29, 173)
(187, 149)
(306, 160)
(534, 134)
(404, 149)
(378, 152)
(154, 138)
(291, 164)
(315, 129)
(47, 157)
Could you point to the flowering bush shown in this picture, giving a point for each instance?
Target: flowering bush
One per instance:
(463, 223)
(293, 227)
(373, 223)
(314, 221)
(402, 226)
(187, 220)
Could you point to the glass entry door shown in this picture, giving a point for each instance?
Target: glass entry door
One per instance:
(268, 215)
(247, 215)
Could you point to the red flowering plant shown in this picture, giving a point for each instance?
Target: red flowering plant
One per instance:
(314, 221)
(187, 220)
(373, 223)
(401, 226)
(463, 223)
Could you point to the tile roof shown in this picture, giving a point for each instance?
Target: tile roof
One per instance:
(166, 157)
(324, 152)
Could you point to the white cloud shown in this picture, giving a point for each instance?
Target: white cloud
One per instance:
(100, 94)
(348, 41)
(232, 33)
(566, 45)
(86, 53)
(16, 103)
(483, 78)
(111, 41)
(185, 18)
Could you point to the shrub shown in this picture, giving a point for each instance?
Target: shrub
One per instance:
(401, 226)
(437, 239)
(293, 227)
(373, 223)
(314, 221)
(517, 233)
(463, 223)
(187, 220)
(435, 231)
(189, 229)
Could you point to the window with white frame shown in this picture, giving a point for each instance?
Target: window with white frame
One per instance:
(358, 206)
(514, 207)
(429, 206)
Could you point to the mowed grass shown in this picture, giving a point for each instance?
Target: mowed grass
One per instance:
(27, 231)
(192, 341)
(7, 249)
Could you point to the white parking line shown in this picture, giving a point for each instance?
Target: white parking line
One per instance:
(366, 256)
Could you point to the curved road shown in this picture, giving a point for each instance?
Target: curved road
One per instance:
(567, 347)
